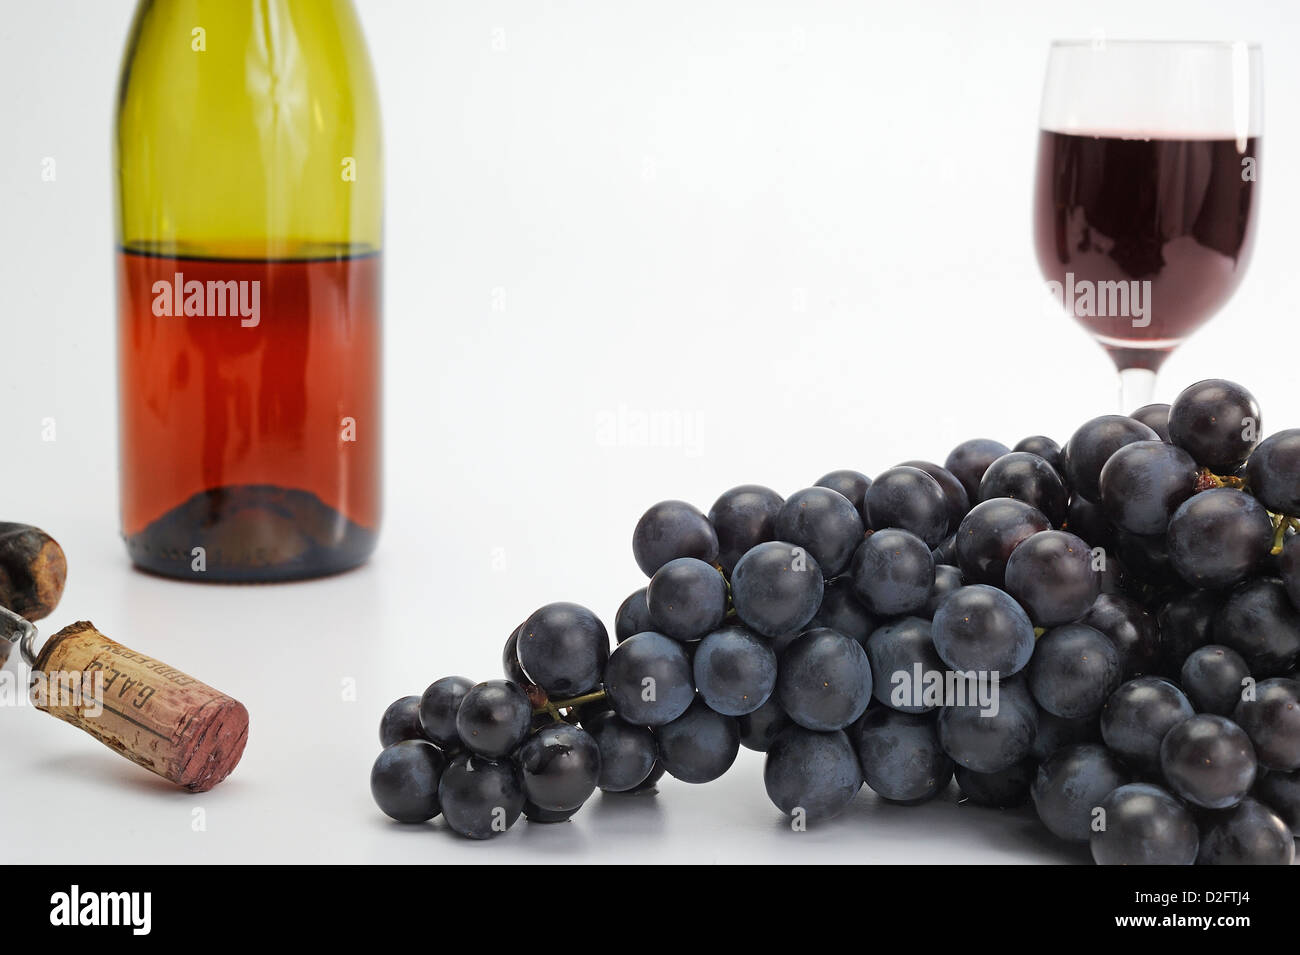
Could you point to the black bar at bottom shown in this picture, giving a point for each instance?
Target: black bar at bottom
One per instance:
(216, 905)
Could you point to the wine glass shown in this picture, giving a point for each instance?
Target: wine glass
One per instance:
(1144, 207)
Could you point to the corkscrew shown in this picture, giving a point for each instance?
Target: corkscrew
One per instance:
(20, 633)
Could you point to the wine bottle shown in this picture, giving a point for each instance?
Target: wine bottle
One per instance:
(250, 218)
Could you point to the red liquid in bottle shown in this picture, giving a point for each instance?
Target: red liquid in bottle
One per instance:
(253, 434)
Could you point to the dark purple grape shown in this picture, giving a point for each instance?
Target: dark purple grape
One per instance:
(1131, 628)
(535, 813)
(563, 648)
(1002, 790)
(649, 679)
(511, 667)
(700, 745)
(1276, 564)
(946, 553)
(1281, 793)
(633, 616)
(1289, 568)
(1044, 447)
(1143, 483)
(1052, 575)
(1155, 417)
(1146, 559)
(958, 501)
(1138, 715)
(627, 752)
(1217, 422)
(494, 718)
(743, 518)
(560, 765)
(893, 572)
(780, 643)
(671, 529)
(825, 523)
(970, 459)
(903, 658)
(1186, 623)
(909, 499)
(1114, 579)
(735, 670)
(401, 721)
(1271, 718)
(1056, 732)
(481, 798)
(650, 785)
(824, 680)
(1261, 623)
(988, 535)
(1071, 784)
(1086, 519)
(841, 610)
(759, 728)
(776, 588)
(982, 628)
(810, 773)
(1144, 825)
(946, 580)
(1089, 448)
(404, 780)
(1273, 472)
(1250, 834)
(1219, 537)
(587, 714)
(687, 599)
(438, 708)
(1208, 760)
(990, 738)
(1029, 478)
(1074, 670)
(1212, 677)
(900, 754)
(852, 484)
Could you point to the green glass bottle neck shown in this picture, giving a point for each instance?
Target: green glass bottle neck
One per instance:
(248, 130)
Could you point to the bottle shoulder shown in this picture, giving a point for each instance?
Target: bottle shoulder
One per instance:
(235, 120)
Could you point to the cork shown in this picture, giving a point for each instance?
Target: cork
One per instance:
(149, 712)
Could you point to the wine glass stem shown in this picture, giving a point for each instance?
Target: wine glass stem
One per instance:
(1136, 386)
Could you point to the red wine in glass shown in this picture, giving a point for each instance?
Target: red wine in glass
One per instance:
(1174, 213)
(1144, 231)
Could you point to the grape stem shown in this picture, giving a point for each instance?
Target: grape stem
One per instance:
(553, 707)
(1219, 480)
(1281, 524)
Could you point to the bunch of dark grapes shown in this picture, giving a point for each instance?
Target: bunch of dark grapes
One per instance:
(1109, 630)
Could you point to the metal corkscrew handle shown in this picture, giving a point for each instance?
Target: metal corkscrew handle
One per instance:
(17, 630)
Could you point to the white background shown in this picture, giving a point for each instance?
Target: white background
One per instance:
(798, 228)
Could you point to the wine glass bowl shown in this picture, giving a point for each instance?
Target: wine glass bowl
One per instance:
(1145, 199)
